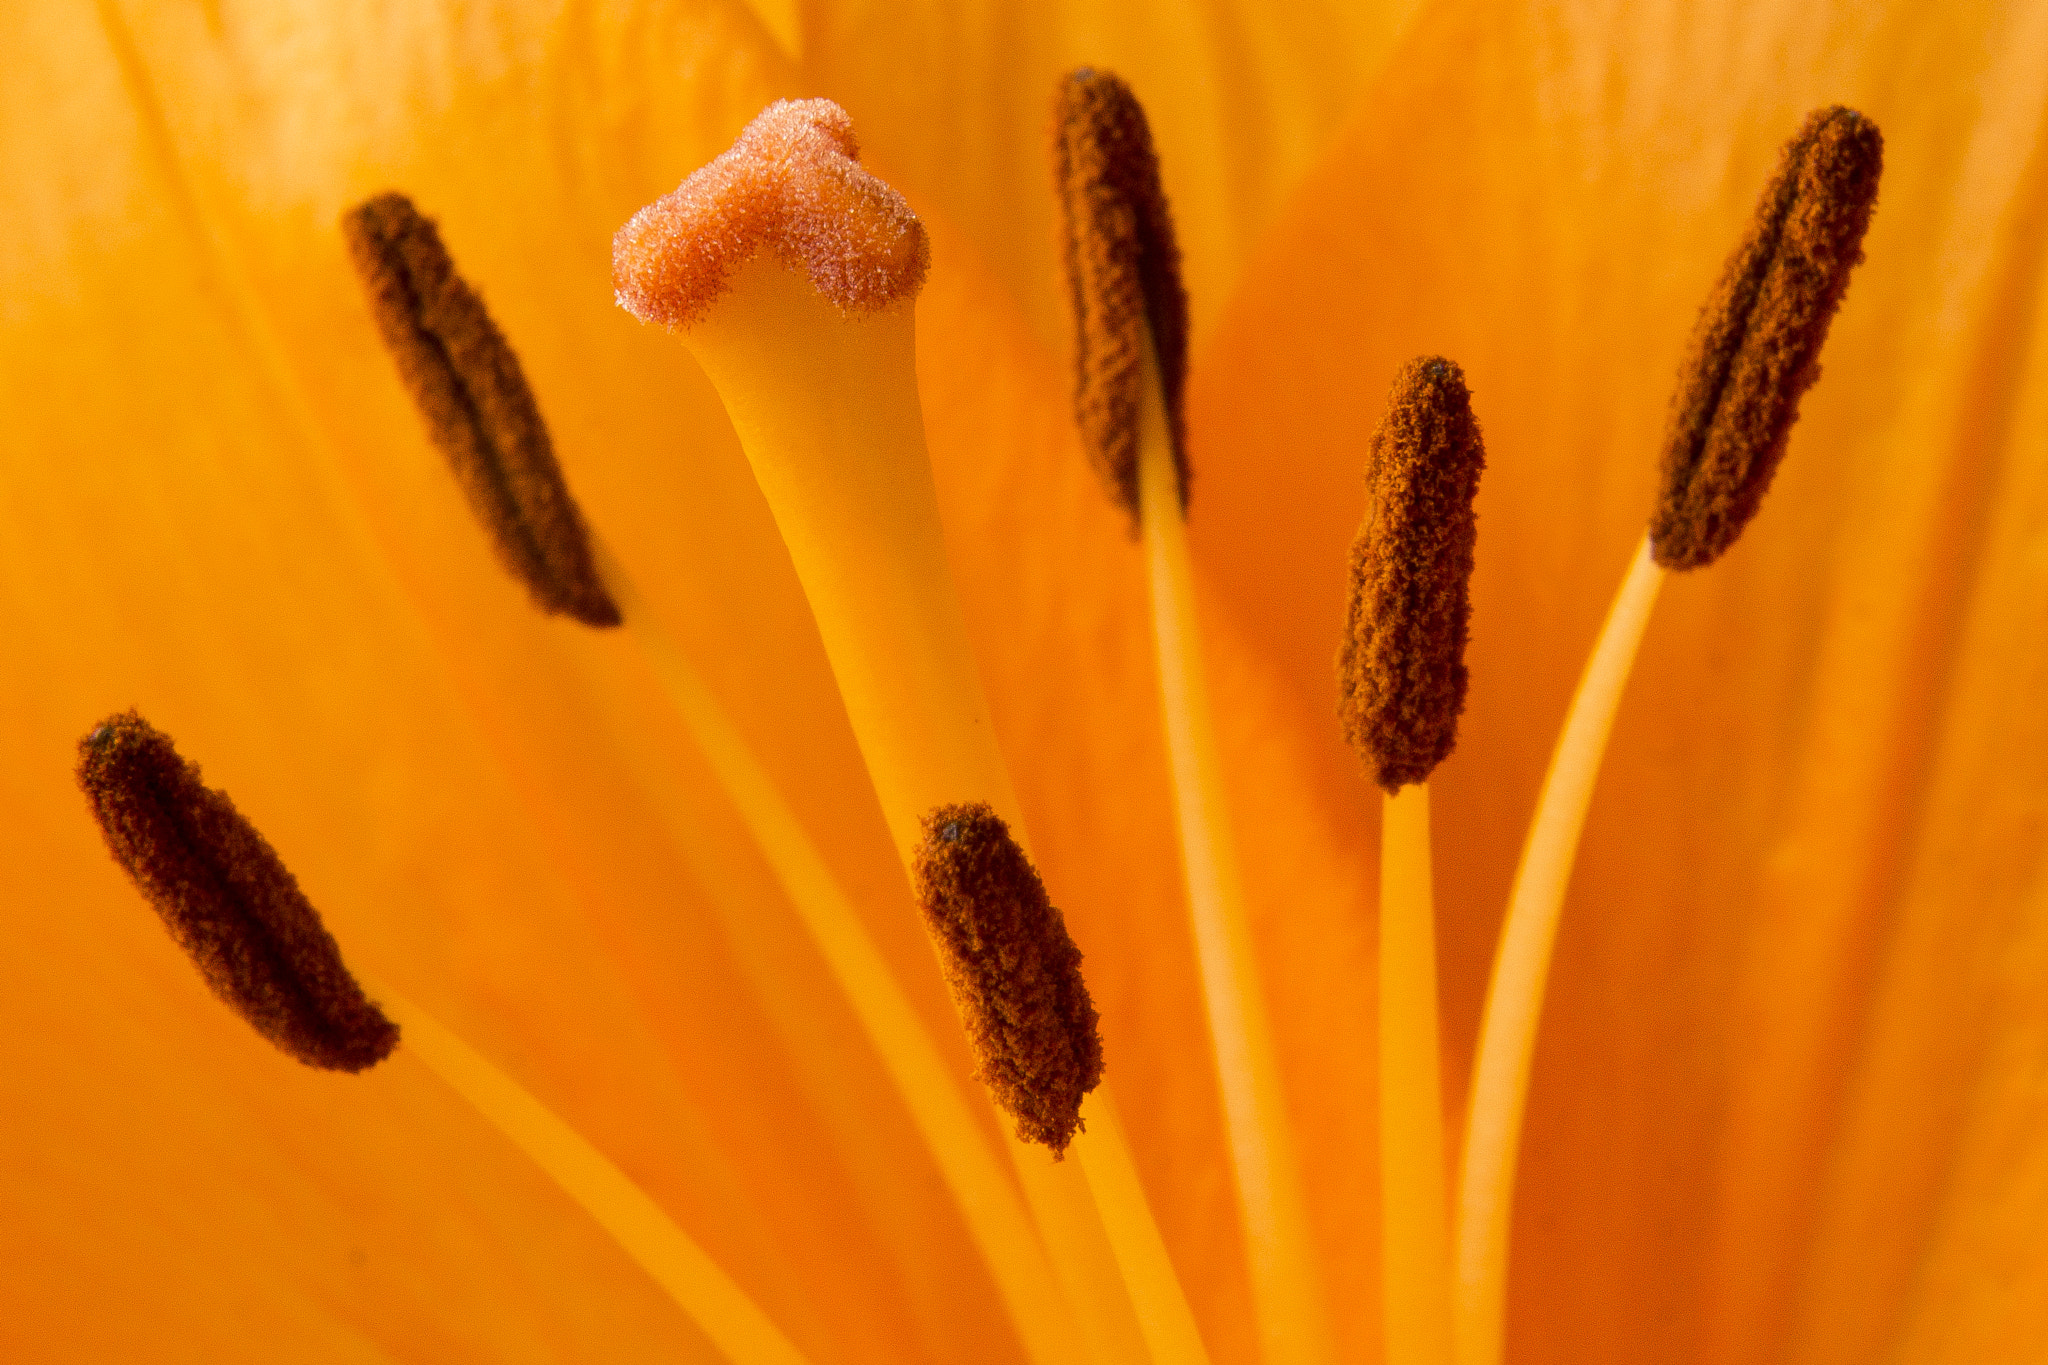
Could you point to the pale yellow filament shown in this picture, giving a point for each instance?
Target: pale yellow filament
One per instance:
(826, 408)
(1087, 1267)
(1415, 1240)
(720, 1308)
(1521, 968)
(1286, 1288)
(988, 1202)
(1163, 1313)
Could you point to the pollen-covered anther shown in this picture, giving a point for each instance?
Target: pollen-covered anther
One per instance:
(479, 410)
(1014, 973)
(1123, 269)
(1756, 347)
(1401, 668)
(227, 898)
(792, 185)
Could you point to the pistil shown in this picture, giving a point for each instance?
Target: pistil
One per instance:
(791, 273)
(826, 407)
(938, 1107)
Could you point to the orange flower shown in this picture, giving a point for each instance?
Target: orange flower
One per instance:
(1787, 1103)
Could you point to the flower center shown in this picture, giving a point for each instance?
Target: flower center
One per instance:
(791, 273)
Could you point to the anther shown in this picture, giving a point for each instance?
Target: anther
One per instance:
(1014, 973)
(792, 184)
(1123, 268)
(1756, 347)
(1401, 668)
(227, 899)
(479, 411)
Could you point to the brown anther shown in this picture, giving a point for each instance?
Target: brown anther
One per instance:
(1123, 269)
(1401, 668)
(227, 899)
(792, 185)
(467, 384)
(1014, 974)
(1756, 347)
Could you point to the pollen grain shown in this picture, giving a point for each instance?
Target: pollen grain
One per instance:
(479, 410)
(1401, 668)
(1123, 268)
(227, 898)
(1756, 347)
(1014, 973)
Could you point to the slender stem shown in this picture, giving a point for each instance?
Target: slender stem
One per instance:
(1514, 998)
(1086, 1266)
(1163, 1313)
(995, 1217)
(1415, 1236)
(720, 1308)
(1286, 1292)
(826, 408)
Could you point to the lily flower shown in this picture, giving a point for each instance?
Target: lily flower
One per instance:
(1786, 1101)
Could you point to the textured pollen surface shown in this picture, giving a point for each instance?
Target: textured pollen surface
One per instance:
(227, 899)
(1014, 974)
(1123, 267)
(467, 384)
(1756, 347)
(1401, 668)
(792, 184)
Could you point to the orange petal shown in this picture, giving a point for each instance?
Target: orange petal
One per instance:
(1716, 1153)
(954, 100)
(225, 512)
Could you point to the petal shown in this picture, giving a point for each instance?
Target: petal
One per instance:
(953, 100)
(1743, 1003)
(220, 508)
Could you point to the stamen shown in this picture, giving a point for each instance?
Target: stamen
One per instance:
(1756, 348)
(792, 184)
(1401, 670)
(227, 898)
(468, 386)
(1014, 973)
(233, 907)
(1123, 270)
(1755, 351)
(1123, 267)
(1401, 682)
(722, 1310)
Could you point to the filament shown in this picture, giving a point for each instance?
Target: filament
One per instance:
(1285, 1285)
(1415, 1245)
(735, 1325)
(1163, 1313)
(1521, 968)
